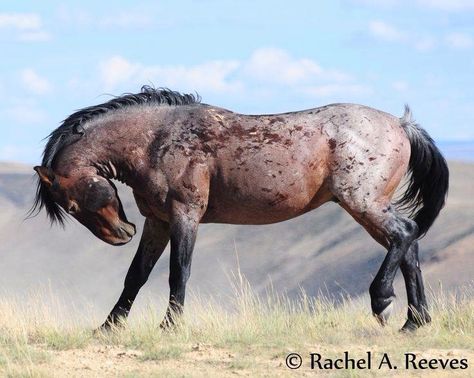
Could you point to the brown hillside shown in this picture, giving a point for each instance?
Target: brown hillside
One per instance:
(324, 250)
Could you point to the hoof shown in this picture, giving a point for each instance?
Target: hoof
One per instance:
(101, 330)
(415, 321)
(171, 322)
(410, 326)
(110, 326)
(385, 308)
(167, 325)
(104, 328)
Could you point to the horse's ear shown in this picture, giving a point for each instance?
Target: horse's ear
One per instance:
(45, 174)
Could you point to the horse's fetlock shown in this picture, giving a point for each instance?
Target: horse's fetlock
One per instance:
(377, 290)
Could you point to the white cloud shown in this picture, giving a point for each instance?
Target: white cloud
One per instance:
(276, 65)
(116, 70)
(28, 27)
(267, 70)
(34, 82)
(385, 31)
(459, 40)
(212, 76)
(20, 21)
(123, 19)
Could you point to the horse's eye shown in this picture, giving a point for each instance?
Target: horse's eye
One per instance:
(55, 187)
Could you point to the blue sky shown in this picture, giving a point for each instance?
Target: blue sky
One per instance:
(248, 56)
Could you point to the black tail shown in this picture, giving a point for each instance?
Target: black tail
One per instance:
(429, 176)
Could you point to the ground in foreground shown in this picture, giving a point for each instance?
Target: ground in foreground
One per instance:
(253, 339)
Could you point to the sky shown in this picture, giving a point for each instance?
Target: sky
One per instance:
(247, 56)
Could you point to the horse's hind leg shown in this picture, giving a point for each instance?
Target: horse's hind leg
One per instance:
(417, 306)
(399, 234)
(394, 232)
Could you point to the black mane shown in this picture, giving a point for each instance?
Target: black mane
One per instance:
(74, 127)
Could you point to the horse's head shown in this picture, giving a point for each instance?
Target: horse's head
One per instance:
(92, 200)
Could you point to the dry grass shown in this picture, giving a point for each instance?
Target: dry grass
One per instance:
(253, 339)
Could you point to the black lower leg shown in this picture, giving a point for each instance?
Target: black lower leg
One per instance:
(183, 236)
(381, 290)
(417, 306)
(154, 239)
(401, 232)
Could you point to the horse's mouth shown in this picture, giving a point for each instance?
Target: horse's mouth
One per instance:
(129, 229)
(123, 234)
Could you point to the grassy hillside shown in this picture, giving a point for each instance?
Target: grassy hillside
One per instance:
(322, 251)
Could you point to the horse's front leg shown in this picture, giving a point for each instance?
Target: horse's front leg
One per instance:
(184, 226)
(153, 242)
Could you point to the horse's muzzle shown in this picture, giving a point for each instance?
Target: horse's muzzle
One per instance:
(129, 229)
(124, 233)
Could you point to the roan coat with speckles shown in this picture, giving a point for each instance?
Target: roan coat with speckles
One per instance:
(191, 163)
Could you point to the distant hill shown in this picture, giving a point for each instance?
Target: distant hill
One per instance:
(323, 251)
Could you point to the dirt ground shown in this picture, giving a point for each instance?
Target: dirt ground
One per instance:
(202, 360)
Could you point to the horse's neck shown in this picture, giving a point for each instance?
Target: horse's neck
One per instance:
(114, 148)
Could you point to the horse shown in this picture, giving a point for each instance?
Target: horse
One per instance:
(190, 163)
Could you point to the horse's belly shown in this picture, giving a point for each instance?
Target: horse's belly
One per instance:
(232, 213)
(263, 196)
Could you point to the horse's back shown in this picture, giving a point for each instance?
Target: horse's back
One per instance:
(269, 168)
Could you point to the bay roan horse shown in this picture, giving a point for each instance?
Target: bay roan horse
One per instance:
(191, 163)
